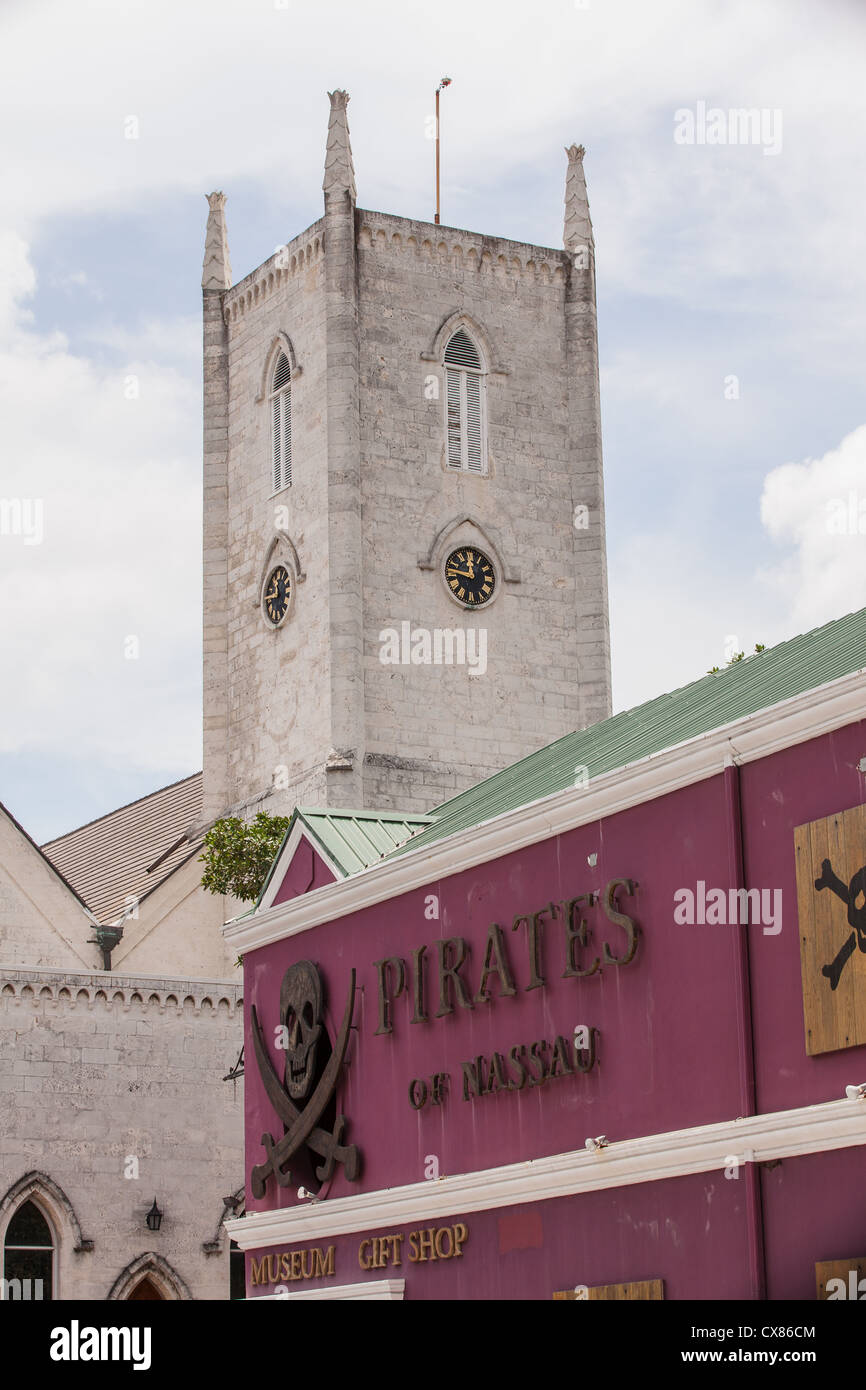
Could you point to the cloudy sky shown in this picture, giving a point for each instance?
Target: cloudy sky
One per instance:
(731, 307)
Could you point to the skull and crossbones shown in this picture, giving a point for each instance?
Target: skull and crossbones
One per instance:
(854, 898)
(301, 1015)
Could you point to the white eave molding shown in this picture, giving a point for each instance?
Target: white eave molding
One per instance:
(838, 1124)
(790, 722)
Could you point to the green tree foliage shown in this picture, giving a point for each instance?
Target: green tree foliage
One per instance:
(238, 854)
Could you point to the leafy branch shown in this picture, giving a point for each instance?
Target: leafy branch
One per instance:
(238, 854)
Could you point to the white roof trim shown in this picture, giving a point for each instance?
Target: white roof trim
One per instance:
(797, 720)
(837, 1124)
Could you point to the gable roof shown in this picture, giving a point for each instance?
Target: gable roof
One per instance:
(757, 682)
(347, 840)
(130, 851)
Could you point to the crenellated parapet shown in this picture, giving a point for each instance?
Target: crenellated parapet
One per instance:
(467, 251)
(286, 265)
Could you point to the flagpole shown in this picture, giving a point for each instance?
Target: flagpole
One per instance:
(446, 82)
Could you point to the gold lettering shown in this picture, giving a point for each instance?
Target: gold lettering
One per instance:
(448, 974)
(440, 1252)
(473, 1078)
(495, 963)
(285, 1267)
(364, 1260)
(257, 1269)
(324, 1263)
(576, 935)
(386, 997)
(460, 1234)
(425, 1242)
(620, 920)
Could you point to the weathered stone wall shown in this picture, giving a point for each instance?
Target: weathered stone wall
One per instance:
(276, 701)
(458, 727)
(365, 299)
(99, 1069)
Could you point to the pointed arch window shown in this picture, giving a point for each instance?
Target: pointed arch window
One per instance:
(28, 1255)
(280, 397)
(465, 405)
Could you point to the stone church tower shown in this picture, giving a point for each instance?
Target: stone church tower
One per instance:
(405, 584)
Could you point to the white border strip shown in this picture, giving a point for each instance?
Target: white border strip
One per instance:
(837, 1124)
(375, 1290)
(793, 721)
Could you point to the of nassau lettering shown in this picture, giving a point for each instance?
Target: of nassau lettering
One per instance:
(438, 979)
(525, 1064)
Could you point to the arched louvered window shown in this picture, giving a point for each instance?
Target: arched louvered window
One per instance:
(464, 392)
(281, 423)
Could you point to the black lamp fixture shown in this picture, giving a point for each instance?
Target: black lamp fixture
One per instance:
(154, 1217)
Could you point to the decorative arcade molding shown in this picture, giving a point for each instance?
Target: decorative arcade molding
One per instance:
(109, 991)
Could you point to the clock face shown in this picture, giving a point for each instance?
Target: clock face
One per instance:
(278, 592)
(469, 575)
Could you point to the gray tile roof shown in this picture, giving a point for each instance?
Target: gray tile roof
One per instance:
(130, 851)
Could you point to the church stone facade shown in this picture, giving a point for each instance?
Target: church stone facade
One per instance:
(111, 1080)
(362, 306)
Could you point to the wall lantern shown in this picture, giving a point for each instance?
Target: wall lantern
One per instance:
(154, 1217)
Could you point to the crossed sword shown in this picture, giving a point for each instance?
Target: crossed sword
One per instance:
(303, 1124)
(856, 916)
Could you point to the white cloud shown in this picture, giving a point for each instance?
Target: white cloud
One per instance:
(816, 512)
(116, 480)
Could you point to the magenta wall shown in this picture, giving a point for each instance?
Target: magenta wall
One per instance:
(689, 1232)
(305, 873)
(670, 1046)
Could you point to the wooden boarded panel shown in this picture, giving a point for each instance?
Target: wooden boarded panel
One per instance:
(826, 1270)
(833, 919)
(643, 1289)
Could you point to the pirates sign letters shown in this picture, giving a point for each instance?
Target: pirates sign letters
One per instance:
(831, 903)
(309, 1078)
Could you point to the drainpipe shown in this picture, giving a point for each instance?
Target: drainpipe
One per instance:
(746, 1079)
(106, 939)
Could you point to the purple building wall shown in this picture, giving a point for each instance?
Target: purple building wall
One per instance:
(672, 1052)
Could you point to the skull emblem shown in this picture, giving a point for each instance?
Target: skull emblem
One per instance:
(301, 1012)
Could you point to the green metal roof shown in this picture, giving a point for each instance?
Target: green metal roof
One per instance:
(351, 840)
(755, 683)
(354, 840)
